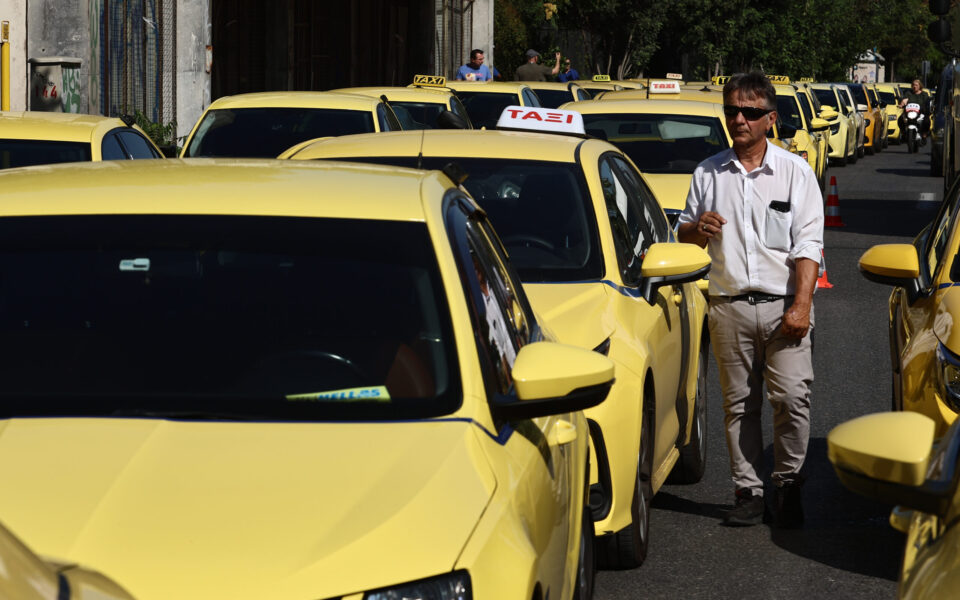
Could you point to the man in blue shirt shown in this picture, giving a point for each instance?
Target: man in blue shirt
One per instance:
(569, 73)
(474, 70)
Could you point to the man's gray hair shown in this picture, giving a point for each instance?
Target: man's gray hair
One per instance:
(751, 85)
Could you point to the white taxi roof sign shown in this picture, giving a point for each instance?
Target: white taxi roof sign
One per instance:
(601, 78)
(674, 76)
(430, 80)
(664, 87)
(547, 120)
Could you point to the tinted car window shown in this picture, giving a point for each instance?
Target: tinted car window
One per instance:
(111, 149)
(423, 115)
(660, 143)
(136, 145)
(223, 314)
(484, 108)
(789, 111)
(554, 98)
(632, 234)
(583, 95)
(387, 119)
(826, 97)
(267, 132)
(23, 153)
(859, 96)
(530, 97)
(805, 106)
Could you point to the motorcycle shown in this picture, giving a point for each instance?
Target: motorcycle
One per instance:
(913, 123)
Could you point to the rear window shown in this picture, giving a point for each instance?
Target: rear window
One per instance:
(485, 108)
(267, 132)
(554, 98)
(659, 143)
(417, 115)
(24, 153)
(261, 318)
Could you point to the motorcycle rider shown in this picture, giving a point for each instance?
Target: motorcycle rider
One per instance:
(918, 96)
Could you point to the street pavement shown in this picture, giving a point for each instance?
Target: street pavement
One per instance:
(847, 548)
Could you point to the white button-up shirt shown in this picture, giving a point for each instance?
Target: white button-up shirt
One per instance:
(756, 250)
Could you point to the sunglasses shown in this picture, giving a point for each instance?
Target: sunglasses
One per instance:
(750, 113)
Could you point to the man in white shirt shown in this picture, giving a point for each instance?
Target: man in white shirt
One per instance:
(758, 210)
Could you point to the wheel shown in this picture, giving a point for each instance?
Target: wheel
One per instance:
(871, 150)
(627, 548)
(693, 455)
(911, 143)
(587, 564)
(861, 152)
(852, 159)
(528, 240)
(840, 162)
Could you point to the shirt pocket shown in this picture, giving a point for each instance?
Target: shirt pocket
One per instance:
(776, 235)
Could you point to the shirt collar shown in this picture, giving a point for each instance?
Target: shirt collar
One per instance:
(765, 166)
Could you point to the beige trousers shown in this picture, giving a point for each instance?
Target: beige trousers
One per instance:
(750, 351)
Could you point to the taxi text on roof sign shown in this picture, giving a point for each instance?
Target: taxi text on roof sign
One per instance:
(674, 75)
(778, 78)
(526, 118)
(720, 80)
(805, 80)
(664, 87)
(430, 80)
(601, 78)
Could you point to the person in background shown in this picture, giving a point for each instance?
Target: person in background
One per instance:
(475, 70)
(531, 71)
(568, 73)
(758, 210)
(918, 96)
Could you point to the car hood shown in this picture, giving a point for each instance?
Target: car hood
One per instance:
(239, 510)
(671, 189)
(576, 313)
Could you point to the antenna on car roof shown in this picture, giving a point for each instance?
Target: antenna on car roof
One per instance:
(423, 135)
(127, 120)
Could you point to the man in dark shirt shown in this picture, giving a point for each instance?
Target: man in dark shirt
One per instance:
(918, 96)
(531, 71)
(569, 73)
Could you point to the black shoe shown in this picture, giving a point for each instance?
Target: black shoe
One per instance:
(789, 506)
(748, 510)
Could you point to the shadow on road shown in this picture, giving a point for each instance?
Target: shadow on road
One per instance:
(886, 217)
(667, 501)
(920, 172)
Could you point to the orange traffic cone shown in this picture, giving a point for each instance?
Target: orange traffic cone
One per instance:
(832, 216)
(822, 281)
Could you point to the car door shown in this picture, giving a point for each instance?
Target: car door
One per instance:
(540, 451)
(637, 222)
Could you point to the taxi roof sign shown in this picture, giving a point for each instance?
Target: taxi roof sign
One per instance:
(430, 80)
(547, 120)
(674, 76)
(601, 78)
(664, 87)
(720, 79)
(778, 78)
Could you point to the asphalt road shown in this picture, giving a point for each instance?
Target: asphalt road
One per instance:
(846, 549)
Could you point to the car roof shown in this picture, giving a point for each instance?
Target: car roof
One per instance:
(65, 127)
(552, 85)
(265, 187)
(785, 89)
(696, 95)
(331, 100)
(657, 105)
(402, 94)
(491, 87)
(516, 145)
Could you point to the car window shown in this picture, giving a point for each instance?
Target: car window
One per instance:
(936, 242)
(789, 111)
(554, 98)
(136, 145)
(583, 94)
(111, 149)
(632, 234)
(859, 95)
(636, 188)
(386, 118)
(24, 153)
(485, 108)
(97, 308)
(827, 98)
(805, 106)
(267, 132)
(530, 98)
(457, 107)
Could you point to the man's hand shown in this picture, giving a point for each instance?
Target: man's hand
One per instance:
(796, 319)
(705, 228)
(556, 65)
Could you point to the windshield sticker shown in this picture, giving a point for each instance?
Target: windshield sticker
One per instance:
(376, 393)
(135, 264)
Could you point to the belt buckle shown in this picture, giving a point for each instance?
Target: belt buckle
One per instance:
(752, 298)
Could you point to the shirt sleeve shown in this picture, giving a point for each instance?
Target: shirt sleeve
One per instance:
(807, 227)
(694, 207)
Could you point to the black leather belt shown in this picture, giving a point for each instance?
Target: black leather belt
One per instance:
(758, 297)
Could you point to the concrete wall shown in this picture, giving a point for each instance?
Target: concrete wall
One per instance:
(61, 28)
(15, 11)
(482, 33)
(193, 74)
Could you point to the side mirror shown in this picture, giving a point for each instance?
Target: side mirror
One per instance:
(551, 379)
(891, 264)
(886, 456)
(939, 31)
(671, 264)
(824, 108)
(451, 120)
(818, 124)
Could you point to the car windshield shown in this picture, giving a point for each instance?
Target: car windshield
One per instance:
(659, 143)
(417, 115)
(267, 132)
(484, 108)
(236, 317)
(789, 111)
(554, 98)
(24, 153)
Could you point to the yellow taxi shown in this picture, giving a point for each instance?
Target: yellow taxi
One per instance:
(843, 127)
(421, 106)
(600, 84)
(892, 458)
(267, 379)
(485, 100)
(554, 93)
(795, 131)
(264, 124)
(666, 139)
(599, 262)
(26, 576)
(817, 120)
(890, 95)
(923, 308)
(873, 119)
(884, 112)
(41, 138)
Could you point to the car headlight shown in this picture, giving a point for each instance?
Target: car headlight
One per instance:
(949, 375)
(452, 586)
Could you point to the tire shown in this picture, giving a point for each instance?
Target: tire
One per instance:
(852, 159)
(871, 150)
(587, 565)
(861, 152)
(627, 548)
(840, 162)
(693, 455)
(911, 143)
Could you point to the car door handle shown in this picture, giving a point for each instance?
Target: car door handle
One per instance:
(564, 432)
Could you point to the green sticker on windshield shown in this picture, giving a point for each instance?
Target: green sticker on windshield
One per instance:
(377, 394)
